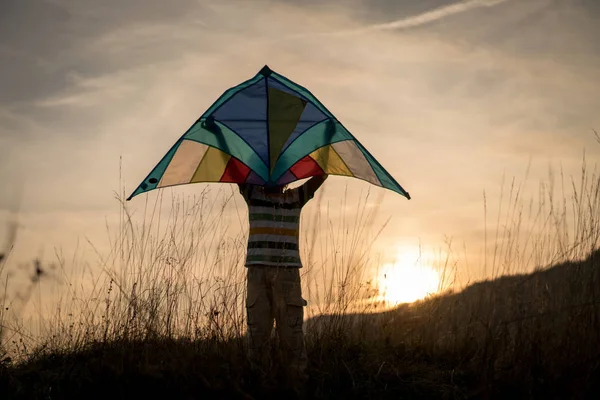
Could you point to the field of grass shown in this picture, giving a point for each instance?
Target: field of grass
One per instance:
(165, 318)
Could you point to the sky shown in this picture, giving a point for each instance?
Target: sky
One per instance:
(452, 97)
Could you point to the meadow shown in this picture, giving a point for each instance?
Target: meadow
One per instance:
(166, 317)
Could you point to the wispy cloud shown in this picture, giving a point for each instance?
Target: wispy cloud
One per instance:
(416, 20)
(433, 15)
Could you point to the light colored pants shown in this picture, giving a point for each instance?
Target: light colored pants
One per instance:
(275, 295)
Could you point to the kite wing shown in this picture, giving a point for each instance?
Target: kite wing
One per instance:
(266, 131)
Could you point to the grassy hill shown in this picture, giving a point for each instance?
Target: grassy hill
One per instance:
(521, 336)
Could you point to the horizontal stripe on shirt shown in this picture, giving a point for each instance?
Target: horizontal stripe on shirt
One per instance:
(265, 203)
(274, 217)
(272, 238)
(279, 253)
(273, 245)
(275, 224)
(273, 259)
(271, 211)
(271, 264)
(289, 196)
(273, 231)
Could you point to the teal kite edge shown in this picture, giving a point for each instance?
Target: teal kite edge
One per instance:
(145, 185)
(156, 173)
(386, 179)
(322, 134)
(229, 142)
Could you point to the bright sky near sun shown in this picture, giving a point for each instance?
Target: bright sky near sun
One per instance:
(449, 96)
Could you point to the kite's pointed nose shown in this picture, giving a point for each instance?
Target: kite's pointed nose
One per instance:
(266, 71)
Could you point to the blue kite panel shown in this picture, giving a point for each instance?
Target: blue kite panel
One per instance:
(246, 114)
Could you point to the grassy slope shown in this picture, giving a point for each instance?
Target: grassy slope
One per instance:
(525, 336)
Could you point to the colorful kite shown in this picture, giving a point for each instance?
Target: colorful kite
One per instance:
(266, 131)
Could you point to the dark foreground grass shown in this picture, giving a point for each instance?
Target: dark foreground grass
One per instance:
(524, 336)
(166, 368)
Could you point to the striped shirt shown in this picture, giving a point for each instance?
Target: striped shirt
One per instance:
(274, 225)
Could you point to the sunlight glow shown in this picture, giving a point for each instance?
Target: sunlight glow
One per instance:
(407, 279)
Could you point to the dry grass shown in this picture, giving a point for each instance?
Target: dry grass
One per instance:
(166, 314)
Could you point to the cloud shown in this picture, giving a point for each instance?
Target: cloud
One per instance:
(413, 21)
(436, 14)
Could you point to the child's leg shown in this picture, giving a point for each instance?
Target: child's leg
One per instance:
(259, 314)
(289, 314)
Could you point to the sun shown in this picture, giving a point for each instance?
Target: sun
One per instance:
(407, 279)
